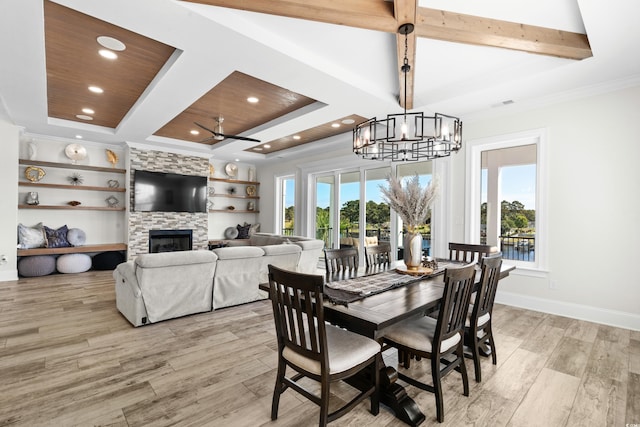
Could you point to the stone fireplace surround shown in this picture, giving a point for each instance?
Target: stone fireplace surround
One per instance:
(140, 223)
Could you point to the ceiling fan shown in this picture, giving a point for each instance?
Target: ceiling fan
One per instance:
(218, 133)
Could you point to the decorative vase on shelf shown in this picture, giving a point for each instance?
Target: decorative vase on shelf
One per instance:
(413, 250)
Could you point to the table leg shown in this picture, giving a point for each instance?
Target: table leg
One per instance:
(395, 397)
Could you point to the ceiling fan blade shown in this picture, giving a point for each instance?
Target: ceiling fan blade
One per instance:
(204, 127)
(241, 138)
(211, 138)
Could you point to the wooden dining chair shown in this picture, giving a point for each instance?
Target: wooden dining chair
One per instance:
(316, 350)
(467, 253)
(377, 255)
(440, 340)
(478, 329)
(341, 260)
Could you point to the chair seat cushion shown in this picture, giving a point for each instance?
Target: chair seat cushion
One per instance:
(482, 320)
(418, 334)
(346, 350)
(73, 263)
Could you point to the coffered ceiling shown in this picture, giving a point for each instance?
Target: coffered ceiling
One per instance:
(317, 68)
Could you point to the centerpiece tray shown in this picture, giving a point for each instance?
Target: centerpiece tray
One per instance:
(420, 271)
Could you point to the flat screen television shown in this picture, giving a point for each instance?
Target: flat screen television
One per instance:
(169, 192)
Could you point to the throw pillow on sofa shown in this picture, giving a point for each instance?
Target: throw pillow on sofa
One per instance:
(243, 231)
(57, 238)
(31, 237)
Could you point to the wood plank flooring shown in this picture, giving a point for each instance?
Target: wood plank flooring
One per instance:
(67, 357)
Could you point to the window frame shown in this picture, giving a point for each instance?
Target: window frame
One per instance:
(474, 149)
(279, 214)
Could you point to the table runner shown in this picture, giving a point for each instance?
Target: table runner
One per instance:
(343, 292)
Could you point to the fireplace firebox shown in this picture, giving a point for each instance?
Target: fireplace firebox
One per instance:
(170, 240)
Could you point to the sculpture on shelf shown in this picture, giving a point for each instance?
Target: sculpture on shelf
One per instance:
(75, 152)
(74, 203)
(113, 183)
(112, 157)
(34, 174)
(112, 201)
(76, 179)
(32, 198)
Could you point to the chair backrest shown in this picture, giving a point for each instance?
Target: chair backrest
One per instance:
(378, 255)
(299, 323)
(486, 295)
(470, 253)
(454, 306)
(336, 260)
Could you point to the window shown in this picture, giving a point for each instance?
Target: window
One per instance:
(505, 197)
(286, 205)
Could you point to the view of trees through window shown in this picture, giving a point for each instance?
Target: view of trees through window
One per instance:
(509, 176)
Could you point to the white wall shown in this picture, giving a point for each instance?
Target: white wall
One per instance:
(593, 206)
(9, 135)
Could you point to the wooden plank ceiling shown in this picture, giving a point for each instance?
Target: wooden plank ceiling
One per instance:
(73, 64)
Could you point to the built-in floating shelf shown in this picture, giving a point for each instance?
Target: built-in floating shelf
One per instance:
(71, 187)
(234, 181)
(70, 166)
(75, 208)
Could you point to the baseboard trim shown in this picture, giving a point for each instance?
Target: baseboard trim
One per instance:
(8, 275)
(615, 318)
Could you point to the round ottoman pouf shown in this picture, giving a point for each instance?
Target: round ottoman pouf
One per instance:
(37, 265)
(107, 260)
(76, 237)
(73, 263)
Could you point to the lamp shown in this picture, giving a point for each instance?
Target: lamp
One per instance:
(407, 136)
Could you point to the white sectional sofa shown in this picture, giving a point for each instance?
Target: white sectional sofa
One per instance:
(161, 286)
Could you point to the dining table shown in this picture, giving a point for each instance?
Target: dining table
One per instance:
(372, 312)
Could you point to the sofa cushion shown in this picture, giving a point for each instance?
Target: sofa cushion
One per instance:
(166, 259)
(235, 252)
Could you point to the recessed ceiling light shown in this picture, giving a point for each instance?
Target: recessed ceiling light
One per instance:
(257, 148)
(296, 137)
(237, 160)
(348, 121)
(88, 111)
(96, 89)
(78, 136)
(335, 125)
(111, 43)
(267, 146)
(253, 100)
(84, 117)
(195, 132)
(109, 54)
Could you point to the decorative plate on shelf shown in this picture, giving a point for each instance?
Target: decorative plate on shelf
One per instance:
(75, 152)
(231, 169)
(251, 190)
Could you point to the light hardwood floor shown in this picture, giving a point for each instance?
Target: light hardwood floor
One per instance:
(67, 357)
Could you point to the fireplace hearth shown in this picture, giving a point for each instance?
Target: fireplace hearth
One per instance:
(170, 240)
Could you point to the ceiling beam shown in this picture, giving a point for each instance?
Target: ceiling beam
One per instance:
(405, 13)
(371, 15)
(468, 29)
(430, 23)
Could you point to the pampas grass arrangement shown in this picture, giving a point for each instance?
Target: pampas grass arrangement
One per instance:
(411, 202)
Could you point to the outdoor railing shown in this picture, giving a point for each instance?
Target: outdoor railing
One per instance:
(518, 248)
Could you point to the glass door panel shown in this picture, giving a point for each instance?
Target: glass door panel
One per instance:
(377, 212)
(425, 174)
(325, 209)
(349, 209)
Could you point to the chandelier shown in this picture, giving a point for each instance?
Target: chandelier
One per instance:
(407, 136)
